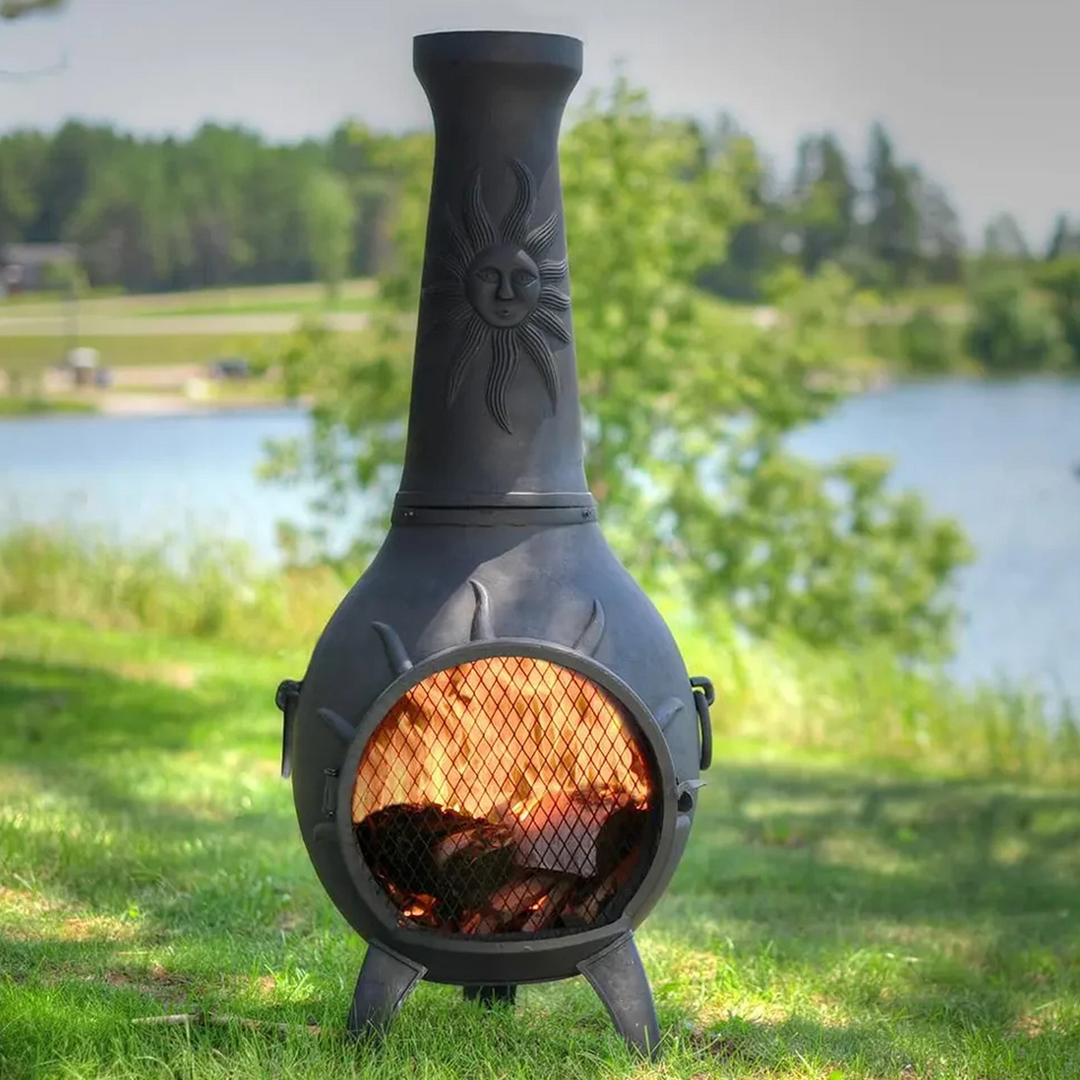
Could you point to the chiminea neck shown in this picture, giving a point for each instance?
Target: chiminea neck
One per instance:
(494, 418)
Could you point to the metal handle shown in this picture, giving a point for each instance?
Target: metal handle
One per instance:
(286, 698)
(704, 696)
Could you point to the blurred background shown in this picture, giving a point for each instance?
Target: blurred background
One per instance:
(832, 398)
(210, 218)
(825, 263)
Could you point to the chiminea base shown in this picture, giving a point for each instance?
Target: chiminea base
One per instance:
(616, 974)
(618, 977)
(386, 980)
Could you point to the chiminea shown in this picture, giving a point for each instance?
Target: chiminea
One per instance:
(495, 749)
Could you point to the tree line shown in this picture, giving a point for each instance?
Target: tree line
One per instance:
(227, 207)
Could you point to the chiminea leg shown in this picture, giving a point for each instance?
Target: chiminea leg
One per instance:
(490, 996)
(386, 980)
(617, 976)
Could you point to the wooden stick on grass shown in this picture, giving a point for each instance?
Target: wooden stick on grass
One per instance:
(224, 1020)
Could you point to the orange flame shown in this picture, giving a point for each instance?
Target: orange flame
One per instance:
(497, 738)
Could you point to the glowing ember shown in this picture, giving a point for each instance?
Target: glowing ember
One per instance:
(503, 795)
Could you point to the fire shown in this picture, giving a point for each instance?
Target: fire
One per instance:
(493, 737)
(504, 795)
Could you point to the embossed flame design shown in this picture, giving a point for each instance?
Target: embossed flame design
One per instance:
(502, 293)
(506, 795)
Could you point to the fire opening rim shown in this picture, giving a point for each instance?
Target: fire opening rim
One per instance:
(447, 955)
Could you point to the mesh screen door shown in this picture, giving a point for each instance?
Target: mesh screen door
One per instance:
(504, 795)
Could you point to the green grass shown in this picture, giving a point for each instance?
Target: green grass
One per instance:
(31, 406)
(314, 305)
(830, 919)
(27, 354)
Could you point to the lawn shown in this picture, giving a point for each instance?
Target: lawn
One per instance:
(830, 920)
(20, 355)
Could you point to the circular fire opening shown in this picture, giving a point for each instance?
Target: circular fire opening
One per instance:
(506, 795)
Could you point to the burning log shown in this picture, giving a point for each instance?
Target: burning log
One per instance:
(430, 851)
(577, 833)
(557, 864)
(587, 905)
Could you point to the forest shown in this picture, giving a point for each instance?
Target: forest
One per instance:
(226, 207)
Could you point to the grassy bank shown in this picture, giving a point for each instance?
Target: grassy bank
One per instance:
(27, 355)
(866, 707)
(35, 406)
(832, 919)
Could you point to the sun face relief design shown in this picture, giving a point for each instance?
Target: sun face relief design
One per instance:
(502, 293)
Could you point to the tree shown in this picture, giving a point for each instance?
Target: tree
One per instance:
(329, 214)
(1004, 239)
(1061, 279)
(824, 200)
(16, 9)
(752, 251)
(687, 403)
(1064, 241)
(941, 239)
(1006, 331)
(893, 228)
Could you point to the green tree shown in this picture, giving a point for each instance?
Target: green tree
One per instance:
(824, 200)
(1004, 240)
(926, 344)
(1061, 280)
(752, 251)
(941, 239)
(329, 215)
(1059, 239)
(688, 404)
(893, 229)
(16, 9)
(1006, 330)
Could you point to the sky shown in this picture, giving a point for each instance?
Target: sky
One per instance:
(984, 94)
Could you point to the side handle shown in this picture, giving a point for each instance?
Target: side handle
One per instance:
(704, 696)
(286, 699)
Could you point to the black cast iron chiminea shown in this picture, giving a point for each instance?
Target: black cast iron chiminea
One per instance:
(495, 749)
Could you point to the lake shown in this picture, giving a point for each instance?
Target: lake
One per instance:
(1002, 457)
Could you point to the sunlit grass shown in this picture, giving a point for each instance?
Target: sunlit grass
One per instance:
(862, 706)
(25, 355)
(831, 918)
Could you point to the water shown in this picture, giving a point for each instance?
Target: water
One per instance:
(998, 456)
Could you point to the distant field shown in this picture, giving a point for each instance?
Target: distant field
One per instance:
(35, 331)
(24, 355)
(306, 297)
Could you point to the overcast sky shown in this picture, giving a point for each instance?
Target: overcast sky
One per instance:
(985, 94)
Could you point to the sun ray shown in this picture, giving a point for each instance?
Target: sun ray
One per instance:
(535, 344)
(477, 223)
(480, 258)
(540, 239)
(515, 225)
(504, 359)
(459, 242)
(551, 323)
(550, 297)
(552, 270)
(447, 320)
(475, 334)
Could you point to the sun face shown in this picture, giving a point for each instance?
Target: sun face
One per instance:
(502, 294)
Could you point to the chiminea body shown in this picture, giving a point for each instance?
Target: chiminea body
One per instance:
(495, 748)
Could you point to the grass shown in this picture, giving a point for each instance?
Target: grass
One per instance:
(32, 406)
(864, 707)
(25, 355)
(31, 351)
(831, 920)
(245, 299)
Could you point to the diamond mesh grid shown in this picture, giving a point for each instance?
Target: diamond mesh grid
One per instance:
(504, 795)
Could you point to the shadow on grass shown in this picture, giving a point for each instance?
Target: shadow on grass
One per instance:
(923, 910)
